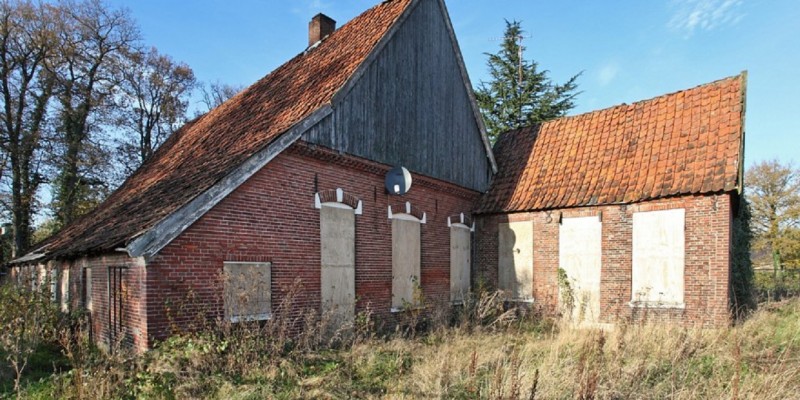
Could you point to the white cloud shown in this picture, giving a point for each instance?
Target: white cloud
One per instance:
(693, 15)
(607, 73)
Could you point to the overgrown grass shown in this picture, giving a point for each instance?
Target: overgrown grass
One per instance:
(487, 352)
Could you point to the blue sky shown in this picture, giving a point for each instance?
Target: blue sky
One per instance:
(627, 50)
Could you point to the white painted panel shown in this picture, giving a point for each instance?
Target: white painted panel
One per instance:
(53, 282)
(515, 259)
(337, 245)
(460, 261)
(247, 292)
(40, 278)
(88, 288)
(658, 257)
(405, 261)
(65, 294)
(579, 255)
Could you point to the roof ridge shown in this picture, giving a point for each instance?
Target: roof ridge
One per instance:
(740, 76)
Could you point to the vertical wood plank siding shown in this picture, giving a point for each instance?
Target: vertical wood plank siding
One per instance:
(411, 108)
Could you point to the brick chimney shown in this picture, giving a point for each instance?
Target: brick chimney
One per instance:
(320, 27)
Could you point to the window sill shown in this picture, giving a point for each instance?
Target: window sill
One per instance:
(395, 310)
(521, 301)
(251, 318)
(657, 305)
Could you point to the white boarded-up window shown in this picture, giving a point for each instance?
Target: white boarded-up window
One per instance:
(579, 255)
(247, 291)
(338, 256)
(65, 290)
(406, 258)
(658, 257)
(53, 281)
(460, 261)
(39, 278)
(515, 259)
(88, 290)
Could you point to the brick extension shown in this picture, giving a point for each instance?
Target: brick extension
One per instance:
(707, 266)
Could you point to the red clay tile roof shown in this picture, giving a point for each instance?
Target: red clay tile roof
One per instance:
(688, 142)
(203, 152)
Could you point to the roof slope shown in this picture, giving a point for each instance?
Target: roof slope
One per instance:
(687, 142)
(206, 150)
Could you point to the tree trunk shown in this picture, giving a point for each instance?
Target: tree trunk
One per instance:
(777, 270)
(69, 184)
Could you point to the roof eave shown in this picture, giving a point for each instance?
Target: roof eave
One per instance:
(150, 242)
(740, 173)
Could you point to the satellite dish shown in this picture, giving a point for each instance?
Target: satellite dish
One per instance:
(398, 181)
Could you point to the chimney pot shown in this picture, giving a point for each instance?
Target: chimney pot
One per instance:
(320, 27)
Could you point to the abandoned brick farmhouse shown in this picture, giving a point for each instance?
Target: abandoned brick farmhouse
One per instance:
(281, 192)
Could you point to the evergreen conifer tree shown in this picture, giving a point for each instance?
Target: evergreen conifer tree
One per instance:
(519, 94)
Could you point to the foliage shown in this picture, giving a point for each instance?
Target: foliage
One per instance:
(82, 104)
(519, 94)
(93, 41)
(28, 321)
(216, 93)
(27, 50)
(755, 359)
(769, 287)
(154, 98)
(773, 191)
(744, 297)
(566, 293)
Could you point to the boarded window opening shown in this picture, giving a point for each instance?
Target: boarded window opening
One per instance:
(115, 305)
(460, 262)
(53, 285)
(87, 300)
(579, 255)
(515, 260)
(337, 247)
(247, 291)
(65, 295)
(406, 259)
(658, 258)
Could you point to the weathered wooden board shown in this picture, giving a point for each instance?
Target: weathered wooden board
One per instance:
(337, 246)
(88, 288)
(405, 262)
(411, 107)
(247, 291)
(460, 261)
(579, 255)
(64, 290)
(658, 257)
(515, 259)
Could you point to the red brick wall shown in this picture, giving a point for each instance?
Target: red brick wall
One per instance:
(707, 263)
(133, 330)
(272, 218)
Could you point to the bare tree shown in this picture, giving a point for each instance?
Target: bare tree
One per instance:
(773, 190)
(217, 93)
(154, 97)
(92, 46)
(27, 41)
